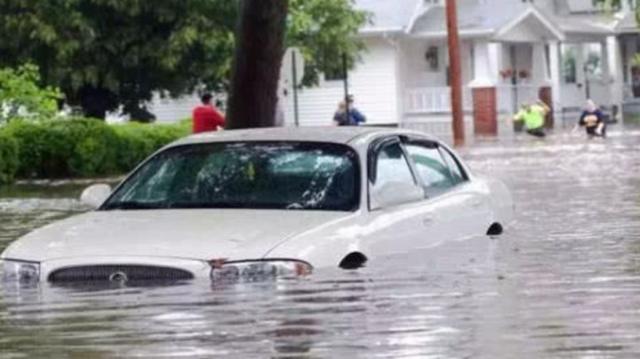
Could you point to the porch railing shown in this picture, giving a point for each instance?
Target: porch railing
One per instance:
(438, 99)
(433, 100)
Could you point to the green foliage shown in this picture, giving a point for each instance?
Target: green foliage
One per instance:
(8, 158)
(635, 60)
(21, 95)
(106, 53)
(325, 30)
(612, 6)
(78, 147)
(137, 140)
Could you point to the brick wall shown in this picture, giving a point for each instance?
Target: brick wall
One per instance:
(545, 95)
(485, 111)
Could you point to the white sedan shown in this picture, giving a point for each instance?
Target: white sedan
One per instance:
(245, 204)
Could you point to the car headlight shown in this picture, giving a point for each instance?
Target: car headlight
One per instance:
(222, 271)
(19, 271)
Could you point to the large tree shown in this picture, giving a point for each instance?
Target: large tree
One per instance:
(106, 53)
(325, 30)
(256, 69)
(109, 53)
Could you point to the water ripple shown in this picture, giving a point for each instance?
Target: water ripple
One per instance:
(563, 282)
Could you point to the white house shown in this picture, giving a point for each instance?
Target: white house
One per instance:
(513, 51)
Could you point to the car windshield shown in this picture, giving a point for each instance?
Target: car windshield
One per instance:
(258, 175)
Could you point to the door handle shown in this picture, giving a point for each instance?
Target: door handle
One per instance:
(427, 221)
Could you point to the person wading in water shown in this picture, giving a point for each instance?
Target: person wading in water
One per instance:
(592, 119)
(533, 117)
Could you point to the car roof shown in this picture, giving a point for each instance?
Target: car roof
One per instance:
(330, 134)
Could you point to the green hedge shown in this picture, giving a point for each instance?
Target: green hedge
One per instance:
(78, 147)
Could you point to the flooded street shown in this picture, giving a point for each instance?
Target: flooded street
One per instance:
(563, 282)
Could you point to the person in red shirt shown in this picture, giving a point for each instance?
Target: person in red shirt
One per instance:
(206, 117)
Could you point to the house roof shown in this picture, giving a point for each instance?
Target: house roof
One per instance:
(388, 15)
(474, 18)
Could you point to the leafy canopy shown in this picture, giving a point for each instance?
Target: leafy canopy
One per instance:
(615, 5)
(325, 30)
(21, 96)
(109, 53)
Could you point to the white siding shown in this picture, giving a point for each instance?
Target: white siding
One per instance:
(582, 5)
(415, 69)
(372, 82)
(172, 110)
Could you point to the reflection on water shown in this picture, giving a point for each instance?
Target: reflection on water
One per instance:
(564, 282)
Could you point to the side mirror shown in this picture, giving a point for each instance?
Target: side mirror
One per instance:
(95, 195)
(395, 193)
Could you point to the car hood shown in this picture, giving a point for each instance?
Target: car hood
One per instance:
(190, 234)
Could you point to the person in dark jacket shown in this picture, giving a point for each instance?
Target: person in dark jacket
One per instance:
(340, 118)
(592, 119)
(356, 116)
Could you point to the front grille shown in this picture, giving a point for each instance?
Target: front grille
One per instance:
(117, 273)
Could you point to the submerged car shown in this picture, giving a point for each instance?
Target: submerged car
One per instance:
(246, 204)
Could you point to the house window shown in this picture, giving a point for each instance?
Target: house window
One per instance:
(432, 56)
(332, 73)
(472, 56)
(587, 6)
(625, 60)
(569, 63)
(547, 59)
(593, 60)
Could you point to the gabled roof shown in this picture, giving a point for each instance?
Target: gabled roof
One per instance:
(487, 18)
(530, 17)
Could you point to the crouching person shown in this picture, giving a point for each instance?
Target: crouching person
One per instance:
(592, 119)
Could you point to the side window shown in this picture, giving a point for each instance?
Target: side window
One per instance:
(457, 173)
(391, 165)
(432, 168)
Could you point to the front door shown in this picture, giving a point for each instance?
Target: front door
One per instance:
(462, 208)
(400, 227)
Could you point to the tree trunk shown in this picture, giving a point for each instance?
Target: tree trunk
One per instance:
(96, 102)
(256, 69)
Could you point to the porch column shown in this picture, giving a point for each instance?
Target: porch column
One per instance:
(581, 77)
(555, 68)
(541, 79)
(615, 73)
(483, 87)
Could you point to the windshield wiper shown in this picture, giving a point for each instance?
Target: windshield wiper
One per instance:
(132, 205)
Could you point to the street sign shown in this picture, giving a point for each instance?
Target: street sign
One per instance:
(292, 60)
(291, 74)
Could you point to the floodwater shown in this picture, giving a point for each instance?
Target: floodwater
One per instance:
(563, 282)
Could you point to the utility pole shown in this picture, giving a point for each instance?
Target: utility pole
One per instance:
(455, 73)
(345, 70)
